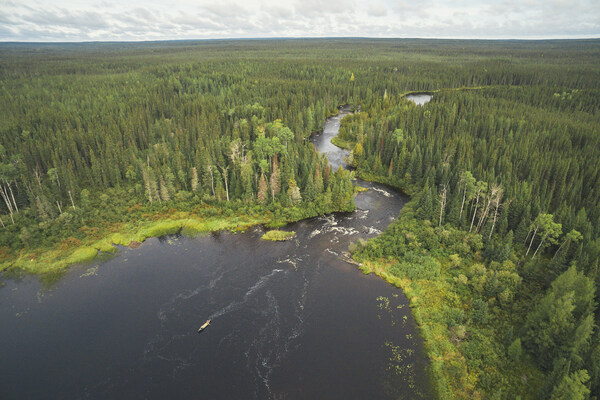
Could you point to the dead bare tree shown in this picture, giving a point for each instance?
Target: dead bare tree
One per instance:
(442, 200)
(225, 177)
(72, 202)
(480, 188)
(212, 179)
(7, 199)
(494, 190)
(497, 204)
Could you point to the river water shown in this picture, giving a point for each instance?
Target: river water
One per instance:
(290, 320)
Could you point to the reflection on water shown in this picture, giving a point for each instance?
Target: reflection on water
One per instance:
(418, 98)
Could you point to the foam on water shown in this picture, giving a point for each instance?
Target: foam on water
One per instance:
(385, 193)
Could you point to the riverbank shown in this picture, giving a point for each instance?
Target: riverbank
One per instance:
(466, 351)
(103, 240)
(441, 270)
(421, 293)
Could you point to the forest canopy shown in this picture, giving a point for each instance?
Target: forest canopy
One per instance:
(498, 248)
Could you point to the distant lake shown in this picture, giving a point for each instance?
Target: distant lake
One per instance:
(419, 98)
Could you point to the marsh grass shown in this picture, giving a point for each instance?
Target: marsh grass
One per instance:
(51, 263)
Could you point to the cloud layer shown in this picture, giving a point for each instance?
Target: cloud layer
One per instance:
(108, 20)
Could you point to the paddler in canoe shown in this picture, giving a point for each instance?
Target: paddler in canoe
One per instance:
(206, 324)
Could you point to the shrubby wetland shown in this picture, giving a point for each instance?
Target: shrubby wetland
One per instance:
(430, 211)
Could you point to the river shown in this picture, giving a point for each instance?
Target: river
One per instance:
(290, 320)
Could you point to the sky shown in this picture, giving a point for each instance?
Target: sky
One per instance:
(139, 20)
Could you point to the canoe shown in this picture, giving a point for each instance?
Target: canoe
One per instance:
(206, 324)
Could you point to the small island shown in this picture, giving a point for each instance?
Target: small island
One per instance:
(278, 236)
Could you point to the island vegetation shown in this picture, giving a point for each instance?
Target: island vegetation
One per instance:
(498, 249)
(276, 235)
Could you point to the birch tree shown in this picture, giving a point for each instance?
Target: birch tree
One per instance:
(224, 172)
(480, 189)
(497, 203)
(548, 230)
(467, 183)
(572, 237)
(8, 173)
(492, 197)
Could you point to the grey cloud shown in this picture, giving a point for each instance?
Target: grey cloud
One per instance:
(311, 8)
(226, 10)
(411, 9)
(66, 18)
(278, 11)
(377, 10)
(107, 20)
(197, 21)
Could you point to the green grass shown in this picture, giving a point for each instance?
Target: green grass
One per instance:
(53, 260)
(344, 144)
(278, 236)
(47, 261)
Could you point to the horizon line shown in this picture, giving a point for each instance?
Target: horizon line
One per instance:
(266, 38)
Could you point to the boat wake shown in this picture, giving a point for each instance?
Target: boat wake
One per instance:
(237, 304)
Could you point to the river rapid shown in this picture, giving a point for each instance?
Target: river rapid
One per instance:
(290, 320)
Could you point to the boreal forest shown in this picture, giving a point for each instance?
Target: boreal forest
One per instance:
(497, 250)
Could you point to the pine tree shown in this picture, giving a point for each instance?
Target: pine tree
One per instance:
(572, 387)
(426, 207)
(319, 187)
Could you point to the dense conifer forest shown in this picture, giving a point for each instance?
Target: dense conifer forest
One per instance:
(498, 249)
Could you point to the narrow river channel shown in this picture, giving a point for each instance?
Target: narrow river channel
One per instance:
(290, 320)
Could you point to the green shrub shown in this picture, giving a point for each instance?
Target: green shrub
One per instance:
(415, 266)
(277, 235)
(481, 313)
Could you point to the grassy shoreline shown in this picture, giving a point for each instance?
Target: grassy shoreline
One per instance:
(54, 260)
(57, 259)
(451, 373)
(129, 223)
(426, 330)
(462, 352)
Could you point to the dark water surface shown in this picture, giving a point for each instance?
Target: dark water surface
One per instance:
(291, 320)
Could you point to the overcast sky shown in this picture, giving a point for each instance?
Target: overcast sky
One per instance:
(108, 20)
